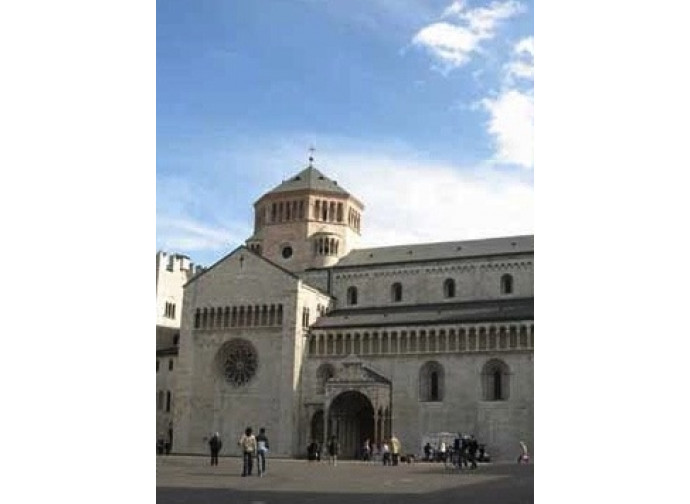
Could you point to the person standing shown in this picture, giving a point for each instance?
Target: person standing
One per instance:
(427, 452)
(248, 444)
(215, 444)
(261, 450)
(366, 451)
(333, 449)
(472, 448)
(523, 458)
(386, 453)
(395, 449)
(442, 451)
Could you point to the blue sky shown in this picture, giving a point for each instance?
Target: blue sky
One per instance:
(422, 109)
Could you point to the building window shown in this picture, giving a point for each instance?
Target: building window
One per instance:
(168, 398)
(238, 362)
(449, 288)
(170, 365)
(158, 365)
(169, 310)
(287, 252)
(496, 381)
(159, 404)
(176, 339)
(506, 284)
(352, 295)
(396, 292)
(431, 382)
(434, 386)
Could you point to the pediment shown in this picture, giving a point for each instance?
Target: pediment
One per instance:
(353, 370)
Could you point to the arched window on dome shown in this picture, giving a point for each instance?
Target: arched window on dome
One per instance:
(495, 381)
(352, 296)
(396, 292)
(449, 288)
(507, 284)
(431, 379)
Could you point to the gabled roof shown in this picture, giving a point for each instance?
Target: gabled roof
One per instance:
(438, 251)
(244, 248)
(311, 179)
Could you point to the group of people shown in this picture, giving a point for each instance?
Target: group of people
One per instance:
(465, 451)
(251, 445)
(314, 450)
(389, 451)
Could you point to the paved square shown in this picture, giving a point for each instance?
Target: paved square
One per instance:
(192, 479)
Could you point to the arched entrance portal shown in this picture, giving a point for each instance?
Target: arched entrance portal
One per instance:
(351, 420)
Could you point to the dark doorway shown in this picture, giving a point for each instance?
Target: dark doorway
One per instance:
(351, 420)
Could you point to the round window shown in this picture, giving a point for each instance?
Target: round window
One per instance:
(287, 252)
(238, 362)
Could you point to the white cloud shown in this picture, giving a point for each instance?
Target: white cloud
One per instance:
(407, 198)
(511, 113)
(179, 234)
(411, 201)
(453, 44)
(453, 9)
(512, 126)
(522, 66)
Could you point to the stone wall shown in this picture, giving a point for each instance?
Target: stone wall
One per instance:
(422, 283)
(205, 401)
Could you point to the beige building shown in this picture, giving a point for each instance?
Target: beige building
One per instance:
(305, 334)
(172, 272)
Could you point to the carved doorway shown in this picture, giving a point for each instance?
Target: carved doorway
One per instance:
(351, 420)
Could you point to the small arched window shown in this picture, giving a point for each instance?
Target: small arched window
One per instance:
(449, 288)
(352, 296)
(507, 284)
(396, 292)
(496, 381)
(431, 382)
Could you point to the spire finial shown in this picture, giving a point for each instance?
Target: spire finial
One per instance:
(311, 156)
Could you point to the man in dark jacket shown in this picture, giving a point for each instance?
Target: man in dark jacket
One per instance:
(215, 444)
(261, 450)
(472, 448)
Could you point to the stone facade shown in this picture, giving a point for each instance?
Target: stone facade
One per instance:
(331, 339)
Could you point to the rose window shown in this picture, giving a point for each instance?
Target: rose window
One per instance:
(238, 361)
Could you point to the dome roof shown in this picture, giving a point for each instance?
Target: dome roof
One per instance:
(312, 179)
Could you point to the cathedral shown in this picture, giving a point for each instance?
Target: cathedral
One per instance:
(304, 333)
